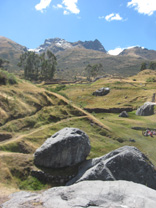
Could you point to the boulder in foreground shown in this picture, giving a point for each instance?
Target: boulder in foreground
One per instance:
(65, 148)
(125, 163)
(106, 194)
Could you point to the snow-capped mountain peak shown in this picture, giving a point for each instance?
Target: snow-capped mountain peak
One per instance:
(58, 44)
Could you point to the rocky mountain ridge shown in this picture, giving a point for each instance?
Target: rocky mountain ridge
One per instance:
(139, 52)
(72, 58)
(58, 44)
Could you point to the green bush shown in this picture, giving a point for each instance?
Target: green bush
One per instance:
(151, 79)
(7, 78)
(31, 183)
(58, 89)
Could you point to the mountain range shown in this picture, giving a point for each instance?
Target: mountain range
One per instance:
(73, 57)
(58, 44)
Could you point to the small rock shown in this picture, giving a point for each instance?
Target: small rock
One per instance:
(102, 91)
(123, 114)
(132, 140)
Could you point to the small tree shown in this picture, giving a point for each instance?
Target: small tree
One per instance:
(143, 66)
(3, 62)
(93, 70)
(152, 65)
(48, 65)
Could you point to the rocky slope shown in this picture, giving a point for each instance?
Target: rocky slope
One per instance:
(139, 52)
(108, 184)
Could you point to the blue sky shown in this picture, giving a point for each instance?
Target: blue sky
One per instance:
(117, 24)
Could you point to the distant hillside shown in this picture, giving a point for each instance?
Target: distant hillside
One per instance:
(11, 51)
(139, 52)
(72, 58)
(72, 62)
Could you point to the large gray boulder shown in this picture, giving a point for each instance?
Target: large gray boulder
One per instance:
(146, 110)
(126, 163)
(67, 147)
(102, 91)
(106, 194)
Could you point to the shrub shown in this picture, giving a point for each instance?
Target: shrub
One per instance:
(7, 78)
(31, 183)
(151, 79)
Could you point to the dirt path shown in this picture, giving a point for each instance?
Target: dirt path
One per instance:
(90, 116)
(86, 115)
(19, 137)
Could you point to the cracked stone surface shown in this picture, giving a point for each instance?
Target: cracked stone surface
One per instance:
(67, 147)
(125, 163)
(106, 194)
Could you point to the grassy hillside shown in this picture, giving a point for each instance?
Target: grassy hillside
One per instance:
(128, 93)
(30, 114)
(11, 51)
(72, 62)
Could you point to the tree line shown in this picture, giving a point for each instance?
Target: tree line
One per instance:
(38, 66)
(151, 65)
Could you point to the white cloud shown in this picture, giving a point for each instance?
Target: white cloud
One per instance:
(58, 6)
(113, 16)
(42, 5)
(65, 12)
(115, 51)
(71, 6)
(118, 50)
(143, 6)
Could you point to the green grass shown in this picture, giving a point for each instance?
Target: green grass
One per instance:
(29, 132)
(31, 183)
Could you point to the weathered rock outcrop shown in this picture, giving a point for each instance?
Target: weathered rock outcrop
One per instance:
(102, 91)
(106, 194)
(67, 147)
(146, 110)
(126, 163)
(123, 114)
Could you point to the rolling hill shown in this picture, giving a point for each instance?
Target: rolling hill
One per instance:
(11, 51)
(29, 114)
